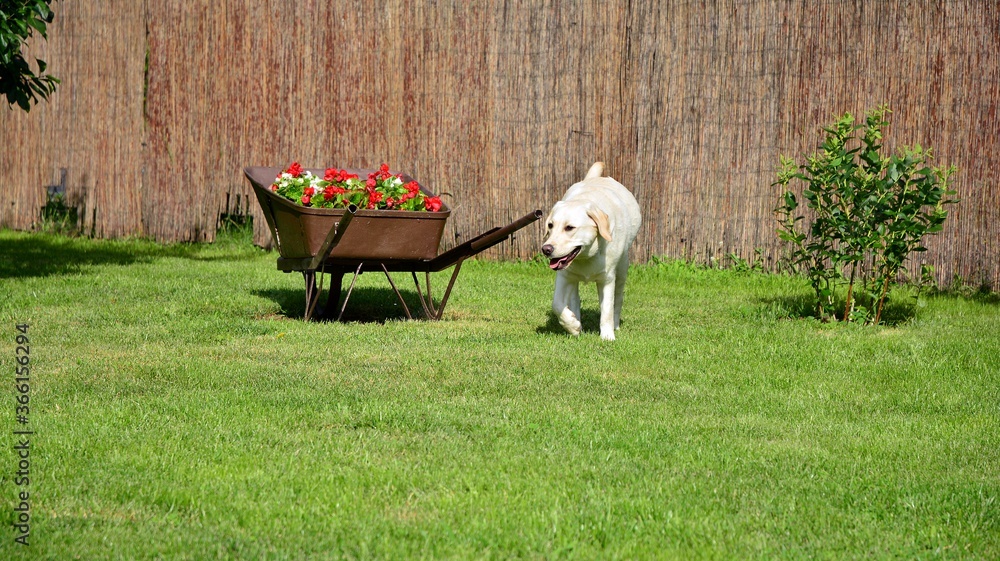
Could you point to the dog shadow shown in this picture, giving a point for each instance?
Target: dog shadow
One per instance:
(366, 305)
(590, 322)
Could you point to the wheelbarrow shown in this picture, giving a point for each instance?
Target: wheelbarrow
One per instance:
(342, 241)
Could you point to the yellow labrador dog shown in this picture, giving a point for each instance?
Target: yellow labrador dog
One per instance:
(589, 234)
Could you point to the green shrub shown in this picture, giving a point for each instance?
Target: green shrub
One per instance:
(867, 214)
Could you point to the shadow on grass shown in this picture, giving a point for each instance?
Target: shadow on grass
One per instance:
(798, 306)
(590, 322)
(366, 305)
(896, 312)
(43, 256)
(981, 295)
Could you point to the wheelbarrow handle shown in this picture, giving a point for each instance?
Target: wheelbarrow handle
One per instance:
(333, 238)
(497, 235)
(480, 243)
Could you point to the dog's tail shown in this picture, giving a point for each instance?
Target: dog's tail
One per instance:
(596, 170)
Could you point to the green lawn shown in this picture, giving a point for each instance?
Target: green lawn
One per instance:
(182, 411)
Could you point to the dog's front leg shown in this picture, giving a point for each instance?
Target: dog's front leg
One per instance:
(606, 293)
(620, 275)
(574, 300)
(566, 296)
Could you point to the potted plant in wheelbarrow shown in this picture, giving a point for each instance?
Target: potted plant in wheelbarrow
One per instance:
(341, 220)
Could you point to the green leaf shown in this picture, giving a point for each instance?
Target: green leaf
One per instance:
(790, 202)
(787, 236)
(38, 25)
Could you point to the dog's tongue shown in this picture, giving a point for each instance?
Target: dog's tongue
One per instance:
(560, 263)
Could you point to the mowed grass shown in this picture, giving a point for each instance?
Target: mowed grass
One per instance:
(183, 411)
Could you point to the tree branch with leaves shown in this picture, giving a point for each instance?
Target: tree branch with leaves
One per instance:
(19, 19)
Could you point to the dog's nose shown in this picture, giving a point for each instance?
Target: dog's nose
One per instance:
(547, 249)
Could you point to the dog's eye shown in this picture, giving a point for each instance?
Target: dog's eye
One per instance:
(570, 228)
(550, 225)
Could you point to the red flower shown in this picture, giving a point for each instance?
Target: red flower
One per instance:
(381, 173)
(380, 190)
(338, 175)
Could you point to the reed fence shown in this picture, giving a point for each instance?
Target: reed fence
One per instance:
(502, 105)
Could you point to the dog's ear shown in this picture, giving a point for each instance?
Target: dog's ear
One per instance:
(596, 170)
(601, 219)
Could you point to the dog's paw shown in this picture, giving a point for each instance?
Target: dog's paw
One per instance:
(573, 328)
(569, 322)
(610, 336)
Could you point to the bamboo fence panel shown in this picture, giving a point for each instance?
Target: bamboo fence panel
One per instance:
(502, 106)
(87, 138)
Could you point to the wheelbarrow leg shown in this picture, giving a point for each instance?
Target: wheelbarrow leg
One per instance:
(312, 294)
(427, 302)
(343, 305)
(447, 292)
(396, 290)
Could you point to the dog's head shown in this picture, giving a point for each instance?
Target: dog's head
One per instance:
(574, 228)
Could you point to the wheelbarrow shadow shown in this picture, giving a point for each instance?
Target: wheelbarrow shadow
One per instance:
(367, 304)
